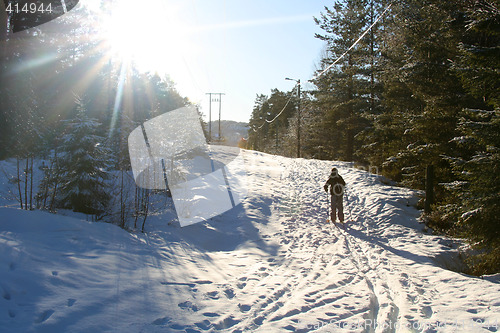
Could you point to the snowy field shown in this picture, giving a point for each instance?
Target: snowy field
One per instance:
(272, 264)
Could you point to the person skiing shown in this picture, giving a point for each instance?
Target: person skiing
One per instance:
(336, 184)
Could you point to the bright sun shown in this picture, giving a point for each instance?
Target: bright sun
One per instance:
(148, 33)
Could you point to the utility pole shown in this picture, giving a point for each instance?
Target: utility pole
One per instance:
(210, 114)
(298, 120)
(298, 115)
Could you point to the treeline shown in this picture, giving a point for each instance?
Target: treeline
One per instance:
(66, 110)
(421, 88)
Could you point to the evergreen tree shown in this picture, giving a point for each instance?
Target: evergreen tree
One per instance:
(257, 123)
(84, 163)
(423, 93)
(270, 122)
(348, 92)
(476, 192)
(477, 188)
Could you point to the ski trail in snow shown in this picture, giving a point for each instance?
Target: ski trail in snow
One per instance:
(368, 260)
(306, 257)
(272, 264)
(381, 274)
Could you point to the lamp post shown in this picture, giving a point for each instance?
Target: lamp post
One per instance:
(298, 115)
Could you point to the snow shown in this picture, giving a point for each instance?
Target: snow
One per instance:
(271, 264)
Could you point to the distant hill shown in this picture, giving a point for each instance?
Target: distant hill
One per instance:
(231, 131)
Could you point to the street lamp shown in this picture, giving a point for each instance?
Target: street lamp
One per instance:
(298, 116)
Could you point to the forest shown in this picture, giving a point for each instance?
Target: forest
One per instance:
(401, 88)
(67, 105)
(419, 91)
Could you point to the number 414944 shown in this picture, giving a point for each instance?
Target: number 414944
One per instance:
(29, 8)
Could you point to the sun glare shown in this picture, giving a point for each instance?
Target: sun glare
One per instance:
(149, 34)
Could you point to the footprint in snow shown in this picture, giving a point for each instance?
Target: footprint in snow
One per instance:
(259, 320)
(244, 307)
(229, 293)
(6, 294)
(187, 305)
(226, 323)
(205, 325)
(427, 311)
(213, 294)
(44, 316)
(162, 321)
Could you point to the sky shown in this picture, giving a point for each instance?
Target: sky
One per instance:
(237, 47)
(254, 46)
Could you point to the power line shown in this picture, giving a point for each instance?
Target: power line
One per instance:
(356, 42)
(279, 114)
(327, 68)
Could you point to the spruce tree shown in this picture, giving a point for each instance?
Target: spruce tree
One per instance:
(477, 163)
(423, 92)
(84, 163)
(349, 92)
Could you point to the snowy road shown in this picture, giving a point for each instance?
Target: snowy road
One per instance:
(272, 264)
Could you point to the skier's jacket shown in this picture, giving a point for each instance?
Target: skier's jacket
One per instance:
(336, 184)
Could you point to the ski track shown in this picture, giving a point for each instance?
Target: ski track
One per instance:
(320, 271)
(292, 272)
(297, 279)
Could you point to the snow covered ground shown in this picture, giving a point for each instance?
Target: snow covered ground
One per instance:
(272, 264)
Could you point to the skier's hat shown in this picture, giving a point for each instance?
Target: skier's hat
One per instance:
(334, 170)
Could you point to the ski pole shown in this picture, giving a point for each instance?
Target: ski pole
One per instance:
(328, 208)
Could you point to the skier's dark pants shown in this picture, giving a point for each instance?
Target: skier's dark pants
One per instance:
(337, 208)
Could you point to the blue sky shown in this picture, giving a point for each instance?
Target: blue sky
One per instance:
(237, 47)
(243, 48)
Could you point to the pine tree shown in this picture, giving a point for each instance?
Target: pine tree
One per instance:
(477, 188)
(270, 122)
(349, 91)
(477, 163)
(423, 92)
(258, 131)
(84, 163)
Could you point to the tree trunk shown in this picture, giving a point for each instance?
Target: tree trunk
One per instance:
(429, 188)
(122, 203)
(55, 171)
(18, 180)
(26, 170)
(31, 181)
